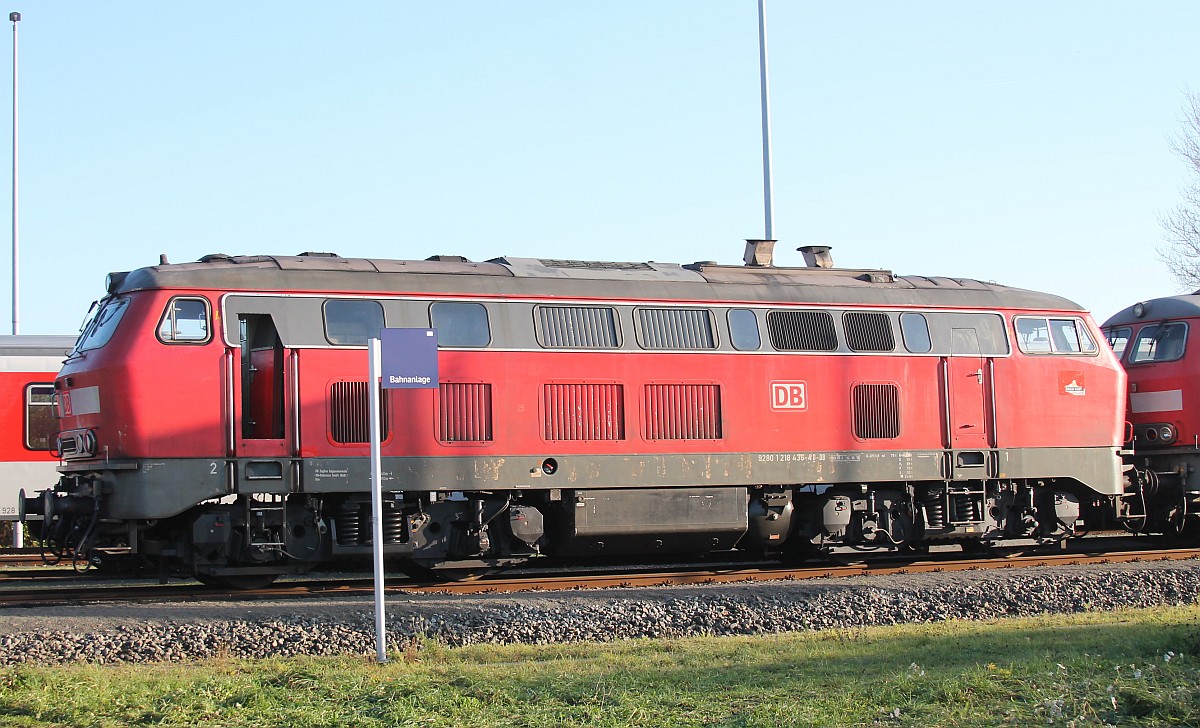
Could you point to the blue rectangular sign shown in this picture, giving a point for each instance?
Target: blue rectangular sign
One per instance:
(408, 358)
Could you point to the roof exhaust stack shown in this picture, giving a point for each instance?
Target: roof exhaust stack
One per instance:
(817, 256)
(759, 253)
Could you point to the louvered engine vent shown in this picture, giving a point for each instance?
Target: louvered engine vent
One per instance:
(683, 412)
(465, 412)
(349, 414)
(876, 411)
(584, 411)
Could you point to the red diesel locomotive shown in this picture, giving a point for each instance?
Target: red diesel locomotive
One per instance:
(213, 415)
(1150, 339)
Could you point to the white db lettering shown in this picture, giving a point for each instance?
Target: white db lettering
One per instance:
(789, 396)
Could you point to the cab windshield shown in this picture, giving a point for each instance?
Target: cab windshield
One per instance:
(100, 324)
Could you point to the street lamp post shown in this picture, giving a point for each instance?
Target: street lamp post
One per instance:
(18, 540)
(16, 255)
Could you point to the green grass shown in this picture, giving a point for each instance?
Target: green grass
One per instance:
(1128, 668)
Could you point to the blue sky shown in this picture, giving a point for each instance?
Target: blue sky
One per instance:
(1022, 142)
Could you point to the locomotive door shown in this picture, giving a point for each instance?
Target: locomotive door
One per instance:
(968, 384)
(260, 422)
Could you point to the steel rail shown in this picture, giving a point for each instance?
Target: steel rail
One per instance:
(540, 582)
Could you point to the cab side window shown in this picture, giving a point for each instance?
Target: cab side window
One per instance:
(1038, 335)
(185, 321)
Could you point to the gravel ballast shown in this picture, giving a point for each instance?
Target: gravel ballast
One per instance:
(152, 633)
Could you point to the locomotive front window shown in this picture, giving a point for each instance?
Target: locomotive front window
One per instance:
(352, 322)
(1159, 342)
(1118, 339)
(1037, 335)
(460, 324)
(100, 328)
(185, 321)
(743, 330)
(40, 425)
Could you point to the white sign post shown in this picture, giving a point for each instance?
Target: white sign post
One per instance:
(399, 359)
(376, 499)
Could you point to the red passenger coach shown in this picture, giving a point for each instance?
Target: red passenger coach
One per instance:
(214, 414)
(28, 365)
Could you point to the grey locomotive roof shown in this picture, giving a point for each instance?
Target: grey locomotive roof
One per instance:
(1157, 309)
(33, 345)
(510, 276)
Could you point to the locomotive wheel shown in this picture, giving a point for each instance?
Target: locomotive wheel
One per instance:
(1189, 535)
(237, 581)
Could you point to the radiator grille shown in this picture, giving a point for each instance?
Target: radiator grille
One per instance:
(591, 327)
(350, 413)
(876, 411)
(868, 331)
(675, 328)
(802, 330)
(584, 411)
(465, 412)
(683, 412)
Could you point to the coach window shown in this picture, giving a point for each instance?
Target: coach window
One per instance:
(1118, 339)
(352, 321)
(184, 321)
(743, 330)
(460, 324)
(1159, 342)
(915, 330)
(40, 425)
(98, 329)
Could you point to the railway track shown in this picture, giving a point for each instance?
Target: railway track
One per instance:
(92, 591)
(19, 557)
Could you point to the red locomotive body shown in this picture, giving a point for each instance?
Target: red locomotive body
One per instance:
(214, 414)
(28, 365)
(1151, 339)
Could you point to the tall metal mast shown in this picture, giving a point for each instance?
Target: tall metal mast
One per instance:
(768, 201)
(16, 254)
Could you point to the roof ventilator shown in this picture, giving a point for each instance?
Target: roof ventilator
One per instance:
(817, 256)
(759, 253)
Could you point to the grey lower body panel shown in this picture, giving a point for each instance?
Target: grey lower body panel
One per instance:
(161, 489)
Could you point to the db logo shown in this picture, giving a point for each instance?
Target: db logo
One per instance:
(789, 396)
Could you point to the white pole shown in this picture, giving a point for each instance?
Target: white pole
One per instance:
(18, 528)
(373, 374)
(16, 258)
(768, 201)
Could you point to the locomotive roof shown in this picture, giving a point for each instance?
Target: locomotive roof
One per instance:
(509, 276)
(1157, 309)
